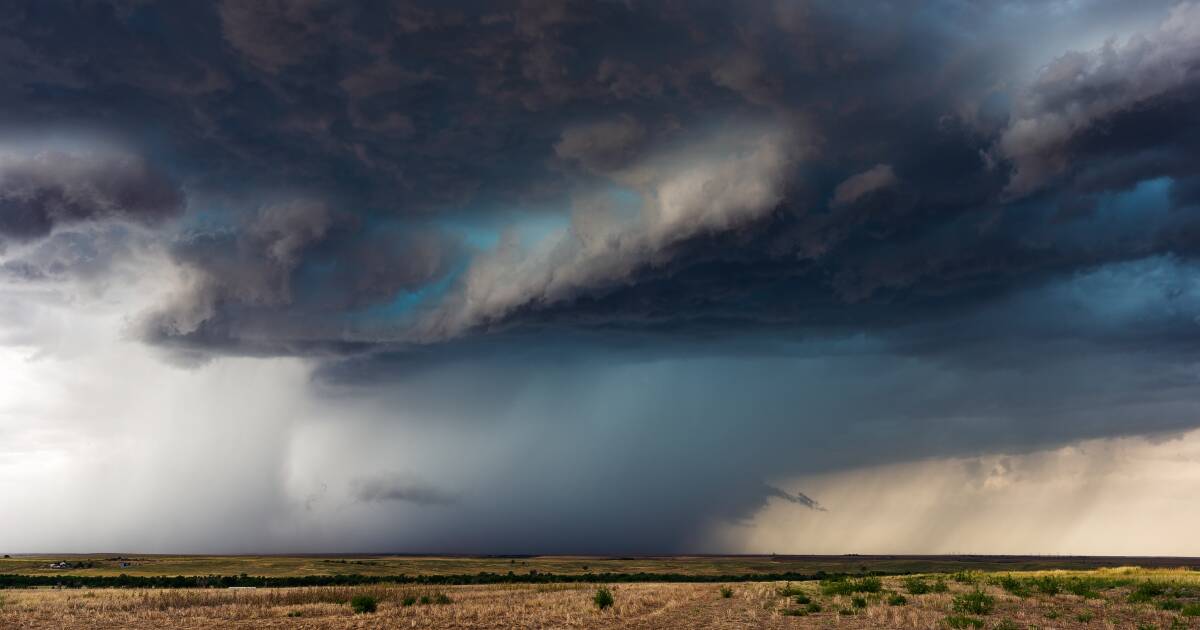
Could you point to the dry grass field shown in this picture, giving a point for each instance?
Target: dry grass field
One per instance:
(280, 565)
(1111, 598)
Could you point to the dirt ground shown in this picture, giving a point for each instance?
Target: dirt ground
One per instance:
(639, 606)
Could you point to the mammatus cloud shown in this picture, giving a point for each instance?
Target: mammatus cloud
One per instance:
(42, 190)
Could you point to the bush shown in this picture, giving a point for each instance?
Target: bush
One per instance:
(363, 604)
(1084, 617)
(792, 612)
(858, 602)
(1171, 604)
(442, 599)
(1145, 592)
(1013, 585)
(812, 607)
(840, 586)
(1191, 610)
(408, 600)
(1047, 585)
(896, 599)
(801, 598)
(916, 586)
(962, 621)
(976, 603)
(726, 592)
(603, 598)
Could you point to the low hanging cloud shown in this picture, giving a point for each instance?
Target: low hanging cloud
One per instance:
(42, 190)
(401, 488)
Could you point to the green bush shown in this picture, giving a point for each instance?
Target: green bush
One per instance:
(896, 599)
(363, 604)
(726, 592)
(792, 612)
(1190, 610)
(962, 621)
(1145, 592)
(1012, 585)
(801, 598)
(1047, 585)
(842, 586)
(858, 602)
(603, 598)
(1170, 604)
(442, 599)
(812, 607)
(976, 603)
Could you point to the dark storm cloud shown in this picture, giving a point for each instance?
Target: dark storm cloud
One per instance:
(764, 239)
(40, 191)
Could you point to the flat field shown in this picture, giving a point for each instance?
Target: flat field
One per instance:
(302, 565)
(1105, 598)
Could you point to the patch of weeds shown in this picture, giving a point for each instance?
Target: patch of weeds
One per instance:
(976, 603)
(1082, 588)
(858, 602)
(939, 586)
(801, 598)
(1170, 604)
(441, 599)
(1052, 614)
(965, 577)
(842, 586)
(916, 586)
(793, 612)
(1012, 585)
(963, 621)
(295, 613)
(726, 592)
(812, 607)
(408, 600)
(1146, 591)
(363, 604)
(1190, 610)
(1084, 617)
(845, 611)
(603, 598)
(1006, 624)
(1146, 626)
(896, 599)
(1047, 585)
(787, 590)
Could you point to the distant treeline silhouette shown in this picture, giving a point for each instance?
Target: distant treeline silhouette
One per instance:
(10, 580)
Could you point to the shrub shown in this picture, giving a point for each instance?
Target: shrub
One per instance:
(1047, 585)
(801, 598)
(295, 613)
(812, 607)
(1190, 610)
(964, 577)
(1082, 588)
(1084, 617)
(603, 598)
(787, 590)
(939, 586)
(916, 586)
(1170, 604)
(1012, 585)
(840, 586)
(976, 603)
(792, 612)
(442, 599)
(896, 599)
(1145, 592)
(408, 600)
(726, 592)
(363, 604)
(858, 602)
(845, 611)
(962, 621)
(424, 600)
(1052, 614)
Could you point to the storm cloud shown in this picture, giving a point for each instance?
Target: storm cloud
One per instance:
(549, 265)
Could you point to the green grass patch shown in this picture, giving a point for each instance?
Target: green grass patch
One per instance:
(962, 621)
(858, 602)
(976, 602)
(1190, 610)
(896, 599)
(843, 586)
(363, 604)
(1084, 617)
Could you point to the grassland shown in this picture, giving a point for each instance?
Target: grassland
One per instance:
(386, 565)
(1105, 598)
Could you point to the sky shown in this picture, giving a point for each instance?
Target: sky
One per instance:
(782, 276)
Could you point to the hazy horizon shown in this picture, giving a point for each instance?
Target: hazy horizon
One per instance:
(793, 277)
